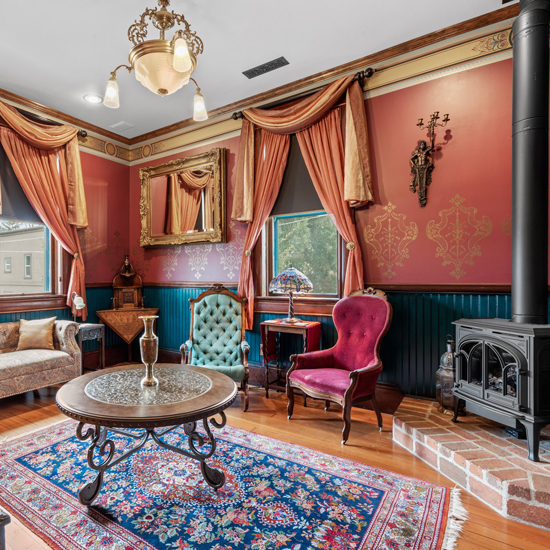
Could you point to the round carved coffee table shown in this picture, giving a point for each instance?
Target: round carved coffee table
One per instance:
(104, 402)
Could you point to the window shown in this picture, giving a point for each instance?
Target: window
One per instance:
(25, 248)
(308, 242)
(27, 266)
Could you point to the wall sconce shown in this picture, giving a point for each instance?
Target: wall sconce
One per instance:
(421, 165)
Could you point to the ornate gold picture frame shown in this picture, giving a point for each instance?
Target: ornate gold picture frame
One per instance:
(214, 160)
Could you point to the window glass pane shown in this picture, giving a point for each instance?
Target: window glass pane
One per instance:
(25, 254)
(308, 242)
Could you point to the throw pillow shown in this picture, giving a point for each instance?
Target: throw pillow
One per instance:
(36, 334)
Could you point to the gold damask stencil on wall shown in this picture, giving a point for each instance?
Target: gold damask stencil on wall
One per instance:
(458, 234)
(390, 238)
(507, 224)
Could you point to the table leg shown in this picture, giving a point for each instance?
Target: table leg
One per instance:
(101, 451)
(102, 352)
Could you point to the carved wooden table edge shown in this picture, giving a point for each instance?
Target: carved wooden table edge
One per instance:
(96, 428)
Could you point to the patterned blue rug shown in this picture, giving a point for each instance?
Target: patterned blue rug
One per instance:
(276, 496)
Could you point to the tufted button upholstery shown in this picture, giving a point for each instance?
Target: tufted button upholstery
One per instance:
(217, 332)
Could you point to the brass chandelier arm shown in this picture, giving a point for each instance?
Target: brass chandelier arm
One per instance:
(113, 73)
(195, 82)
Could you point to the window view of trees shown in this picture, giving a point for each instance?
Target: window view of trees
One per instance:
(25, 257)
(309, 243)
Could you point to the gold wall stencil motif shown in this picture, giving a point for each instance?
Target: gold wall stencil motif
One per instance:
(390, 238)
(506, 224)
(458, 234)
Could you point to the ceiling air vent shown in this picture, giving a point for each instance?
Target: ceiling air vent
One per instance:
(121, 126)
(266, 67)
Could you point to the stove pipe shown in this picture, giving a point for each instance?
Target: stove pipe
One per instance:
(530, 163)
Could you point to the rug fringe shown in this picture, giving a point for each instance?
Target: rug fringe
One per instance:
(457, 516)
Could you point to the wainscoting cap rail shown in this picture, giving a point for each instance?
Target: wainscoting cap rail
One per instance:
(360, 76)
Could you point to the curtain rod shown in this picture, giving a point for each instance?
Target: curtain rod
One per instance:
(361, 75)
(43, 120)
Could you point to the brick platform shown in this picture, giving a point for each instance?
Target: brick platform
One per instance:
(481, 457)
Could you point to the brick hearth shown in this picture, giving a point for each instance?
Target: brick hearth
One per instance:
(481, 457)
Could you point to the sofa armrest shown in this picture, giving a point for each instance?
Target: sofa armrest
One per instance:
(315, 359)
(65, 340)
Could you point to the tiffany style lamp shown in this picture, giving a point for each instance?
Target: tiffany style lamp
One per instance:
(291, 281)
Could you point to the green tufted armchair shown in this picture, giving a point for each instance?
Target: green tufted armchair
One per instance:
(217, 336)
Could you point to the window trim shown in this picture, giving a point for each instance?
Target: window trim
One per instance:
(304, 304)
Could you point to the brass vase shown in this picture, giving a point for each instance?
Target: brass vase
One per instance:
(149, 346)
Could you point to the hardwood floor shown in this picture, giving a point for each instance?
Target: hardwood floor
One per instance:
(311, 427)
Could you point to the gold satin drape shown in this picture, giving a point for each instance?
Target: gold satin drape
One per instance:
(184, 199)
(341, 180)
(45, 185)
(273, 152)
(322, 147)
(49, 138)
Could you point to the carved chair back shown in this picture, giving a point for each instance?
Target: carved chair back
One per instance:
(217, 328)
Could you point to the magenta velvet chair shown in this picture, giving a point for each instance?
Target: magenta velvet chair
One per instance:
(346, 373)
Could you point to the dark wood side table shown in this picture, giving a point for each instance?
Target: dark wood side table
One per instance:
(126, 322)
(92, 331)
(106, 401)
(310, 331)
(4, 520)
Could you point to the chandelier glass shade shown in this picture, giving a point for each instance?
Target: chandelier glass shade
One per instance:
(162, 66)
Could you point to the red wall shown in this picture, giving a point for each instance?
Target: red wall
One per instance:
(472, 168)
(190, 263)
(106, 239)
(473, 161)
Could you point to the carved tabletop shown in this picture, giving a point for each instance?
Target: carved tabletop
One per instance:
(103, 401)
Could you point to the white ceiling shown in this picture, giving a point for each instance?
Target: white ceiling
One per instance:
(56, 52)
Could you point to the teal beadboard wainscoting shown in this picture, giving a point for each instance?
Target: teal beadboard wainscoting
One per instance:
(410, 351)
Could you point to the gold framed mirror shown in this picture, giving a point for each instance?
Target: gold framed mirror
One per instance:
(183, 201)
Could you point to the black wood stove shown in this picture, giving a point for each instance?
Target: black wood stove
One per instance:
(503, 366)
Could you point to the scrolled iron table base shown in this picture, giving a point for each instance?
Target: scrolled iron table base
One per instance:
(148, 418)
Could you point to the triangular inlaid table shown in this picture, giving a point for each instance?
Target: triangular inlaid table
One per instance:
(126, 322)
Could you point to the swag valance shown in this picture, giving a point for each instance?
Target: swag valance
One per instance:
(340, 170)
(46, 161)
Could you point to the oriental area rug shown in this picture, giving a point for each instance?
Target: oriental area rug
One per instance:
(276, 496)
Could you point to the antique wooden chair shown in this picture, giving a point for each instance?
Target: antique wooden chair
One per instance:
(346, 373)
(217, 336)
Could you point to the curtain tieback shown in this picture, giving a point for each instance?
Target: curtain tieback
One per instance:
(76, 256)
(350, 245)
(247, 253)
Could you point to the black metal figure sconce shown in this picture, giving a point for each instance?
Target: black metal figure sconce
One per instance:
(421, 164)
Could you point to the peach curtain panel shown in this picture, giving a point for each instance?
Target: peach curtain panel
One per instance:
(184, 199)
(50, 138)
(46, 186)
(322, 147)
(270, 168)
(297, 117)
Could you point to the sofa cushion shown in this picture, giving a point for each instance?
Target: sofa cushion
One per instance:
(235, 372)
(9, 337)
(36, 334)
(31, 361)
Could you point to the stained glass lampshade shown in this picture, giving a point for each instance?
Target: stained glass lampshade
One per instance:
(291, 281)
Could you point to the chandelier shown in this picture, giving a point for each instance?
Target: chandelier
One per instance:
(162, 66)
